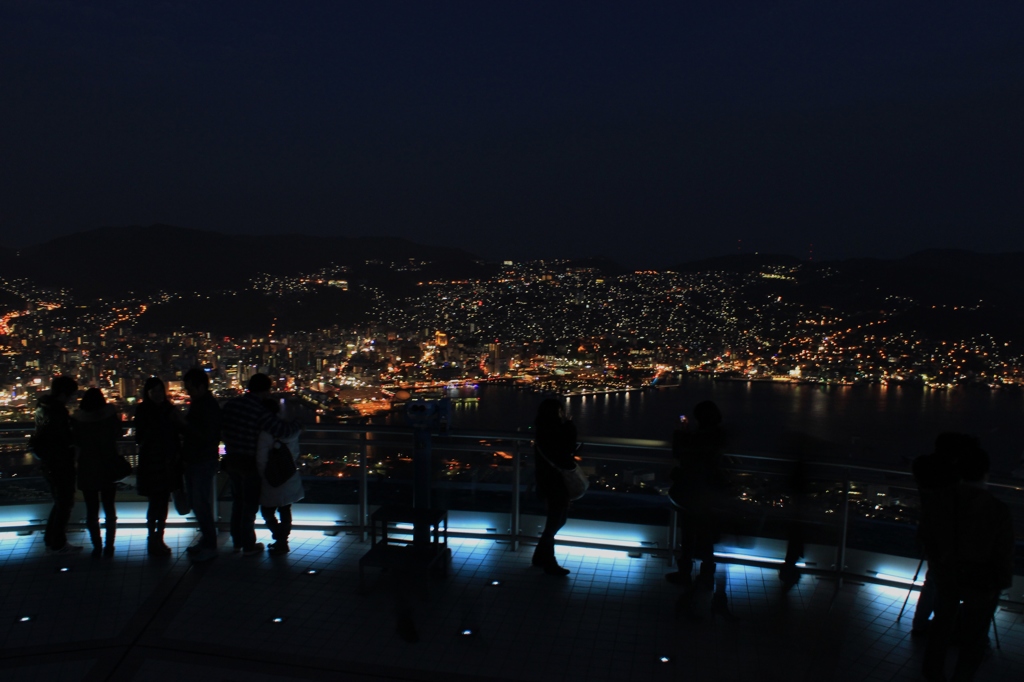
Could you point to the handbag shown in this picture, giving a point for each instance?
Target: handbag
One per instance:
(280, 465)
(120, 468)
(182, 505)
(575, 481)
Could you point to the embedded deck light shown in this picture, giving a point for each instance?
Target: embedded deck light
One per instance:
(24, 619)
(495, 583)
(312, 571)
(278, 619)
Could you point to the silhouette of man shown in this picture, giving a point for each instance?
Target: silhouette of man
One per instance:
(53, 444)
(937, 477)
(970, 545)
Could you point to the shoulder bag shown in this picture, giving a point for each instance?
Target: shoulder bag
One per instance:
(576, 482)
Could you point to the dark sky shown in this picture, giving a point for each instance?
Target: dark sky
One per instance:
(650, 133)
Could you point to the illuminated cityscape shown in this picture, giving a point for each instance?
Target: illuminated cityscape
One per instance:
(551, 326)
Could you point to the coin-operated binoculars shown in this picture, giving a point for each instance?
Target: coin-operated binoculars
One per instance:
(426, 416)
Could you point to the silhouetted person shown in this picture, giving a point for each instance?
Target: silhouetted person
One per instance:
(52, 443)
(796, 529)
(971, 553)
(937, 477)
(277, 501)
(700, 483)
(157, 427)
(244, 418)
(200, 454)
(96, 427)
(555, 445)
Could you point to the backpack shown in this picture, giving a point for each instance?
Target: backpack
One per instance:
(280, 465)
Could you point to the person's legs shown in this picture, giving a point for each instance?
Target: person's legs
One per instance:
(156, 517)
(684, 554)
(237, 496)
(62, 489)
(270, 518)
(200, 486)
(925, 604)
(704, 548)
(244, 507)
(975, 615)
(108, 493)
(92, 519)
(544, 554)
(789, 574)
(281, 529)
(940, 632)
(286, 521)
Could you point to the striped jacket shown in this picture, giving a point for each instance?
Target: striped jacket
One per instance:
(243, 420)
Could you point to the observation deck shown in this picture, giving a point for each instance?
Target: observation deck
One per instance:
(302, 616)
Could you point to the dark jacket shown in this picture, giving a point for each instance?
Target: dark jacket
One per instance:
(96, 434)
(937, 481)
(157, 435)
(557, 443)
(702, 476)
(52, 441)
(971, 540)
(202, 430)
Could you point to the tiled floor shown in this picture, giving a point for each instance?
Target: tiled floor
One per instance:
(612, 619)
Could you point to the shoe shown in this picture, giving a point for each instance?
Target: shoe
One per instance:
(789, 575)
(279, 547)
(204, 554)
(97, 552)
(553, 568)
(544, 553)
(108, 551)
(68, 548)
(156, 547)
(255, 549)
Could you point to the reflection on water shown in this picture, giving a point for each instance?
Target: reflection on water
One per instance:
(879, 424)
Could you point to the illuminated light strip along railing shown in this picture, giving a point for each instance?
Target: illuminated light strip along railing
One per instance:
(595, 449)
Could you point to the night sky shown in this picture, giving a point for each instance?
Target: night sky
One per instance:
(649, 133)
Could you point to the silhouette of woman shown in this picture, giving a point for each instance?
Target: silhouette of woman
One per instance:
(96, 428)
(160, 473)
(554, 445)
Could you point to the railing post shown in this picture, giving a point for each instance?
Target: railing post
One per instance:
(841, 551)
(364, 492)
(673, 534)
(516, 481)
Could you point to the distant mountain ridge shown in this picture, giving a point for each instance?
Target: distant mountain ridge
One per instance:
(107, 260)
(111, 261)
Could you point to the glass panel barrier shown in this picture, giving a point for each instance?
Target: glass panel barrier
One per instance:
(772, 500)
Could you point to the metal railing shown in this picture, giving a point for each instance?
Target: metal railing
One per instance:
(764, 499)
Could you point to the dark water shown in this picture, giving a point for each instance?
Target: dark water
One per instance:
(871, 424)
